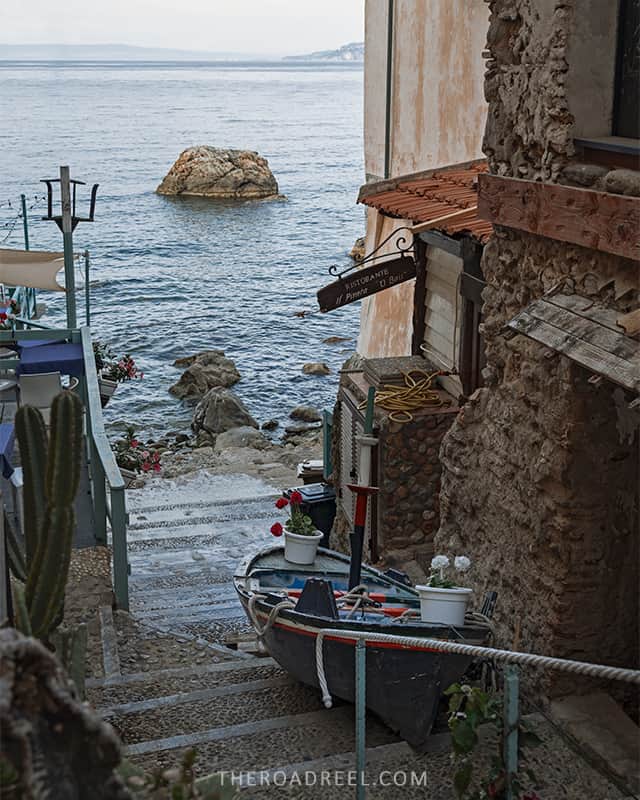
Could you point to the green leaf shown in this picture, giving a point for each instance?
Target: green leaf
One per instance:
(453, 689)
(463, 736)
(462, 779)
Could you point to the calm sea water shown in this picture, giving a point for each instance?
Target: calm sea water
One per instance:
(173, 276)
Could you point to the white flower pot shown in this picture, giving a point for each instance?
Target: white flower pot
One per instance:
(301, 549)
(443, 606)
(107, 388)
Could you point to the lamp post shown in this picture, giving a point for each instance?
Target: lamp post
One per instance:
(67, 222)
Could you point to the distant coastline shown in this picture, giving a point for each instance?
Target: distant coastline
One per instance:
(118, 53)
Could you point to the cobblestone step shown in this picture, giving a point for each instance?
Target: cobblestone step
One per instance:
(106, 693)
(261, 744)
(226, 706)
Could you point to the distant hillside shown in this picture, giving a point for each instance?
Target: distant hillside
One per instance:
(111, 52)
(348, 52)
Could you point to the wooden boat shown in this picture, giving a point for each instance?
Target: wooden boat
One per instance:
(404, 684)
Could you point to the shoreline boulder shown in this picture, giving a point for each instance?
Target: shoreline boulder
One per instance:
(204, 371)
(218, 411)
(221, 173)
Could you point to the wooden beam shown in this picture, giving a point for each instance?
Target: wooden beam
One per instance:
(598, 220)
(419, 297)
(630, 322)
(442, 241)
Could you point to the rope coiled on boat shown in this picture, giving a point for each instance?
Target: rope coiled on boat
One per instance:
(262, 629)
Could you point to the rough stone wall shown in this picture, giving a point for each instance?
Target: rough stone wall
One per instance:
(540, 481)
(410, 474)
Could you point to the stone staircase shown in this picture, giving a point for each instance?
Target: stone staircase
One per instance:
(168, 683)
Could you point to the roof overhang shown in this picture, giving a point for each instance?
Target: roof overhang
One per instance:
(443, 199)
(585, 332)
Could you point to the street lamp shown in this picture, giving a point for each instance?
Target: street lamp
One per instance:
(67, 222)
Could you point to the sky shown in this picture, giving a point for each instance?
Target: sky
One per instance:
(269, 27)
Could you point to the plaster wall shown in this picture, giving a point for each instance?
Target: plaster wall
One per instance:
(386, 318)
(438, 117)
(437, 106)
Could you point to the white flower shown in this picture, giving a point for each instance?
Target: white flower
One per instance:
(439, 562)
(462, 563)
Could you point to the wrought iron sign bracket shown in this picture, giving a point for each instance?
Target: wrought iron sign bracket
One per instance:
(401, 248)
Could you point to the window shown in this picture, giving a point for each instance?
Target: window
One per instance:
(626, 108)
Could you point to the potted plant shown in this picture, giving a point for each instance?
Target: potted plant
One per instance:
(104, 356)
(133, 457)
(111, 372)
(301, 538)
(441, 600)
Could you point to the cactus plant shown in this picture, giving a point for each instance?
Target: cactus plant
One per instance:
(51, 479)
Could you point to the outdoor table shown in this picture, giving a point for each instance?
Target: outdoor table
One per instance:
(26, 344)
(63, 357)
(7, 439)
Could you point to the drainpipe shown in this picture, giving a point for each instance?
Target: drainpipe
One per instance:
(387, 122)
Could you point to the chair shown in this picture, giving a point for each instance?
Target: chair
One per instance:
(39, 390)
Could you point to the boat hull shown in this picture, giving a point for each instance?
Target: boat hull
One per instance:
(403, 685)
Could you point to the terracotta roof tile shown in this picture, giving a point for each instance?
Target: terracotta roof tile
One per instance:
(428, 197)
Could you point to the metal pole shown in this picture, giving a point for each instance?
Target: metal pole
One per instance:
(389, 90)
(361, 717)
(87, 302)
(510, 731)
(25, 221)
(67, 239)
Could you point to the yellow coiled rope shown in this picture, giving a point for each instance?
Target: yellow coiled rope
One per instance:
(400, 401)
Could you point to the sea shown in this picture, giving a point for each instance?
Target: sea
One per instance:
(171, 277)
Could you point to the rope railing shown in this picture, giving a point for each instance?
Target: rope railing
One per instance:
(475, 651)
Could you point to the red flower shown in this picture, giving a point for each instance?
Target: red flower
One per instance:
(3, 316)
(296, 498)
(134, 443)
(276, 529)
(282, 502)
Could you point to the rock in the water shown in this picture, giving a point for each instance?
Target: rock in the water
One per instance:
(357, 251)
(336, 339)
(316, 368)
(218, 411)
(56, 745)
(204, 371)
(241, 437)
(306, 414)
(270, 425)
(219, 172)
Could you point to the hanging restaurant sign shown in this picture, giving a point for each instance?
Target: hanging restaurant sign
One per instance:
(364, 282)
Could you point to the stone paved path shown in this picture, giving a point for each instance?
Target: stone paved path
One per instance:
(167, 683)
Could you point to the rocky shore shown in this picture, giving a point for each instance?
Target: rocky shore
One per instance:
(225, 438)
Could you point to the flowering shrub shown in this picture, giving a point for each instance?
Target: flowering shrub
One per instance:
(133, 454)
(122, 370)
(103, 355)
(439, 566)
(8, 315)
(298, 522)
(469, 709)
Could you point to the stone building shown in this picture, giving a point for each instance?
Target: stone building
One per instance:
(540, 468)
(527, 288)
